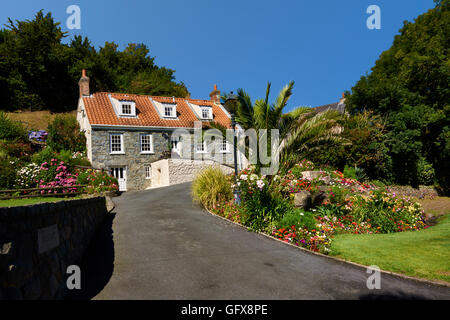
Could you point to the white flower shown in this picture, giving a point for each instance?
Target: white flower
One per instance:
(253, 176)
(260, 184)
(244, 177)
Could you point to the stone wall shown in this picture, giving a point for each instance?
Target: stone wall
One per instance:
(133, 160)
(38, 243)
(175, 171)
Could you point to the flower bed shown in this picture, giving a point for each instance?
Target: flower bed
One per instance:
(66, 179)
(349, 206)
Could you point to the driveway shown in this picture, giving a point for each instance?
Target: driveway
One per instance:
(162, 246)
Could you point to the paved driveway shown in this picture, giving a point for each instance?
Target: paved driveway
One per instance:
(162, 246)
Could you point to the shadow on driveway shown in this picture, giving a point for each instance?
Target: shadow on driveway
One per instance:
(98, 263)
(399, 295)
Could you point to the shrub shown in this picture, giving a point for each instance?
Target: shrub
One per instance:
(425, 172)
(387, 212)
(349, 172)
(332, 210)
(15, 149)
(10, 129)
(8, 173)
(297, 218)
(70, 159)
(97, 181)
(26, 177)
(210, 186)
(64, 134)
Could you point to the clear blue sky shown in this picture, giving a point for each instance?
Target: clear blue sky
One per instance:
(324, 46)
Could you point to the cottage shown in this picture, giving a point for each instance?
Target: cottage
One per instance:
(148, 141)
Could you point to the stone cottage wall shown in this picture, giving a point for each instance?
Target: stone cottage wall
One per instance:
(133, 160)
(38, 243)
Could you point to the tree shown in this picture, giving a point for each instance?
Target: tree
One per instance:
(38, 71)
(64, 134)
(409, 86)
(301, 131)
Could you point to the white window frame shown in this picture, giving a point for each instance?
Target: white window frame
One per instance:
(227, 149)
(204, 147)
(148, 172)
(208, 110)
(132, 105)
(151, 143)
(122, 147)
(173, 107)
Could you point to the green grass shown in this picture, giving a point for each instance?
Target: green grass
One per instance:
(27, 201)
(423, 254)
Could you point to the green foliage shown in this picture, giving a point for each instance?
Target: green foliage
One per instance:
(210, 187)
(297, 218)
(365, 147)
(47, 78)
(426, 175)
(350, 172)
(301, 131)
(97, 181)
(10, 129)
(332, 210)
(48, 154)
(64, 134)
(386, 212)
(7, 173)
(410, 87)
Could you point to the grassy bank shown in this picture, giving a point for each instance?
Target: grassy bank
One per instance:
(27, 201)
(35, 120)
(423, 254)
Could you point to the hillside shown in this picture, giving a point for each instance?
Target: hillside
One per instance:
(35, 120)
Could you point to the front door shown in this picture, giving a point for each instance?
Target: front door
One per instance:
(121, 175)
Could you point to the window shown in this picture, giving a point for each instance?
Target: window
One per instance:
(127, 108)
(224, 145)
(146, 143)
(148, 172)
(206, 113)
(201, 147)
(169, 110)
(116, 143)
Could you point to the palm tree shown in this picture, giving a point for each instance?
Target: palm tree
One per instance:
(300, 131)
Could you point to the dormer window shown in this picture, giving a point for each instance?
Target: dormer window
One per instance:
(170, 110)
(127, 109)
(206, 113)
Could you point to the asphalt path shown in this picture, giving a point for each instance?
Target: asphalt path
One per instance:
(160, 245)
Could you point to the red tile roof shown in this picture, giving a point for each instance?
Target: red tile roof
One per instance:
(100, 111)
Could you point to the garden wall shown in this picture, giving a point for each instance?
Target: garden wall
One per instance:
(38, 243)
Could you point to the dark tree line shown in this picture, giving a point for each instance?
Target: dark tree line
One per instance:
(38, 71)
(409, 87)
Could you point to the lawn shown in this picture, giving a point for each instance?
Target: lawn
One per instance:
(27, 201)
(423, 254)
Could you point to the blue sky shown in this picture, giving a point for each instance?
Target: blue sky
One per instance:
(324, 46)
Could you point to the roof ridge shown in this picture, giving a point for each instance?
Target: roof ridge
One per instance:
(148, 95)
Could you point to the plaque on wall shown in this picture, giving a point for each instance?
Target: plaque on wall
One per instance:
(48, 238)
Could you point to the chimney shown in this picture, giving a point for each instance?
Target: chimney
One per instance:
(84, 84)
(215, 95)
(343, 98)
